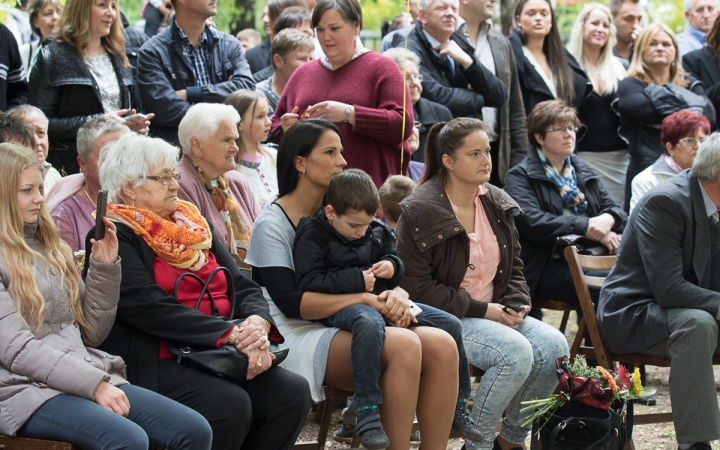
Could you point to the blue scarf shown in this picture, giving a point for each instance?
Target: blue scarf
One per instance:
(573, 200)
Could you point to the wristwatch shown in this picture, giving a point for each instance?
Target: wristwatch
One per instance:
(348, 110)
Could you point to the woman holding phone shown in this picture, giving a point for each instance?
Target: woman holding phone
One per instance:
(49, 323)
(466, 261)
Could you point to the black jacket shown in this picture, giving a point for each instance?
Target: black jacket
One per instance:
(440, 86)
(134, 39)
(162, 70)
(13, 87)
(327, 262)
(146, 314)
(428, 114)
(543, 221)
(258, 57)
(62, 86)
(703, 65)
(534, 89)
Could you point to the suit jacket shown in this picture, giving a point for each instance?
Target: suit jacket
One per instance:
(663, 263)
(511, 116)
(703, 65)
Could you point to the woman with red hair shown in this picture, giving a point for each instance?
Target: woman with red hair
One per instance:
(682, 132)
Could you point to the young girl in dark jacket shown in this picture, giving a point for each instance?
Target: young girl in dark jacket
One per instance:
(458, 240)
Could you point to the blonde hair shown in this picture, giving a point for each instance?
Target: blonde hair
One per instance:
(243, 100)
(610, 69)
(639, 69)
(17, 254)
(74, 29)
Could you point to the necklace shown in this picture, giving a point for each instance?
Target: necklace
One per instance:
(88, 195)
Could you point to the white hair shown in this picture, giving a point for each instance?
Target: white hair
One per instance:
(94, 129)
(610, 69)
(690, 3)
(202, 121)
(707, 162)
(130, 158)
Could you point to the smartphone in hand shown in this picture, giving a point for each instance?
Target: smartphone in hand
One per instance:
(99, 214)
(135, 117)
(516, 308)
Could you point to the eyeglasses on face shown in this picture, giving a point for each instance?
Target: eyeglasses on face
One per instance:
(691, 141)
(163, 179)
(569, 129)
(411, 78)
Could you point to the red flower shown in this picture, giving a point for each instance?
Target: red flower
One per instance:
(588, 391)
(624, 376)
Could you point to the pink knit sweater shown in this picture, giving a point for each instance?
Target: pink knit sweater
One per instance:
(374, 85)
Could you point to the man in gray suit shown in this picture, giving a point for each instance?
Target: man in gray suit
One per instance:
(663, 295)
(507, 128)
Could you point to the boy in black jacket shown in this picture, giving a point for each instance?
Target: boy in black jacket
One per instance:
(344, 250)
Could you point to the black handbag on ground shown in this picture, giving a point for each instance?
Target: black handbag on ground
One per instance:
(576, 426)
(225, 361)
(584, 246)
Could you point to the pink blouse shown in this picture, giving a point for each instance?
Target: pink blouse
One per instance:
(484, 254)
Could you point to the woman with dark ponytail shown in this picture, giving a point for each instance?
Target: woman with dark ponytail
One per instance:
(458, 241)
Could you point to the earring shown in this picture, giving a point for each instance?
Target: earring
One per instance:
(303, 172)
(133, 202)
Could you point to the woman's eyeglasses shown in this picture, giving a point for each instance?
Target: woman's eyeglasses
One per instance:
(411, 78)
(163, 179)
(569, 129)
(691, 141)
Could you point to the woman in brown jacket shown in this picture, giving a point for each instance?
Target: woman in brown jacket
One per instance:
(50, 319)
(477, 276)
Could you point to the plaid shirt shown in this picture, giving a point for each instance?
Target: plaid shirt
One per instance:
(198, 57)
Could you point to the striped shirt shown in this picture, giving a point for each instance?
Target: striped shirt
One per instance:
(198, 57)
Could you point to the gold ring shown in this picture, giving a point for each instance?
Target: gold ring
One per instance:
(259, 362)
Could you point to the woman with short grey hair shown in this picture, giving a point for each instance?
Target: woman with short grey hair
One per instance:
(37, 121)
(208, 135)
(73, 199)
(162, 238)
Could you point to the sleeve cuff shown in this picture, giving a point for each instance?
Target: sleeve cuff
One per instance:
(476, 309)
(225, 335)
(194, 94)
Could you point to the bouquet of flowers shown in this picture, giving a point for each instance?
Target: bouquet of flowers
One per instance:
(592, 386)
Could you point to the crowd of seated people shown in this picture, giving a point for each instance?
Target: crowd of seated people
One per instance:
(466, 152)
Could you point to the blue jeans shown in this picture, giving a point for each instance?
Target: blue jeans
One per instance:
(153, 420)
(368, 334)
(519, 365)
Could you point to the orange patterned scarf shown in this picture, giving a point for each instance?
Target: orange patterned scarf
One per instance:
(183, 241)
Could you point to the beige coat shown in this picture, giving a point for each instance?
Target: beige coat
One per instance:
(58, 358)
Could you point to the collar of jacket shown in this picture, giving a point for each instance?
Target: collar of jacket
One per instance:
(212, 38)
(424, 111)
(29, 230)
(375, 226)
(430, 206)
(459, 40)
(535, 169)
(65, 66)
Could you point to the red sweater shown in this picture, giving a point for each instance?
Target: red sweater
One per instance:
(374, 85)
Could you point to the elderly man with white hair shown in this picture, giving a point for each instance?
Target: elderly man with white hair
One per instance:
(700, 16)
(208, 135)
(662, 297)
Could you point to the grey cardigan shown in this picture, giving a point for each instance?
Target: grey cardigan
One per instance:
(57, 358)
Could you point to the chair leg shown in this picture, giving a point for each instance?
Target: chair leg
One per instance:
(327, 409)
(355, 443)
(575, 348)
(564, 321)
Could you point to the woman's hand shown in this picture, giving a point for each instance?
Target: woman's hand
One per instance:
(112, 398)
(253, 335)
(106, 249)
(332, 111)
(397, 307)
(510, 318)
(289, 119)
(612, 242)
(599, 226)
(258, 362)
(140, 126)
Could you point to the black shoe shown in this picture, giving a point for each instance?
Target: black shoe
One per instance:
(496, 446)
(700, 446)
(648, 400)
(345, 433)
(370, 429)
(463, 424)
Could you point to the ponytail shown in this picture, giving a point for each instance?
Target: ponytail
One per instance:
(445, 138)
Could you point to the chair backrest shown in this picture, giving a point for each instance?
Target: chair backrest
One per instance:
(578, 263)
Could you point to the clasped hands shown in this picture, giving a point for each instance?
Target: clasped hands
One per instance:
(251, 338)
(329, 110)
(600, 229)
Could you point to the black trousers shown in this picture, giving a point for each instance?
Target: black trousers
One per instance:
(266, 413)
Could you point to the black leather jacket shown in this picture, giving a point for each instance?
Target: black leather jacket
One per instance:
(440, 86)
(62, 86)
(162, 70)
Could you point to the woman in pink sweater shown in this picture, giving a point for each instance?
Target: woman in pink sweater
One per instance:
(359, 90)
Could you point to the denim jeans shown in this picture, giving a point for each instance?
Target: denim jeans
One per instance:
(519, 365)
(153, 420)
(368, 333)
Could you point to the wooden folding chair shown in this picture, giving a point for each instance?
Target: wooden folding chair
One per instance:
(324, 418)
(16, 443)
(599, 351)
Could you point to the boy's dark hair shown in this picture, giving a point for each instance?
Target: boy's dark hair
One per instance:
(15, 129)
(292, 17)
(352, 190)
(392, 192)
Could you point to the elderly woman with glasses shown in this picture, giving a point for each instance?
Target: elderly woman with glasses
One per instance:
(681, 135)
(161, 238)
(208, 135)
(559, 194)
